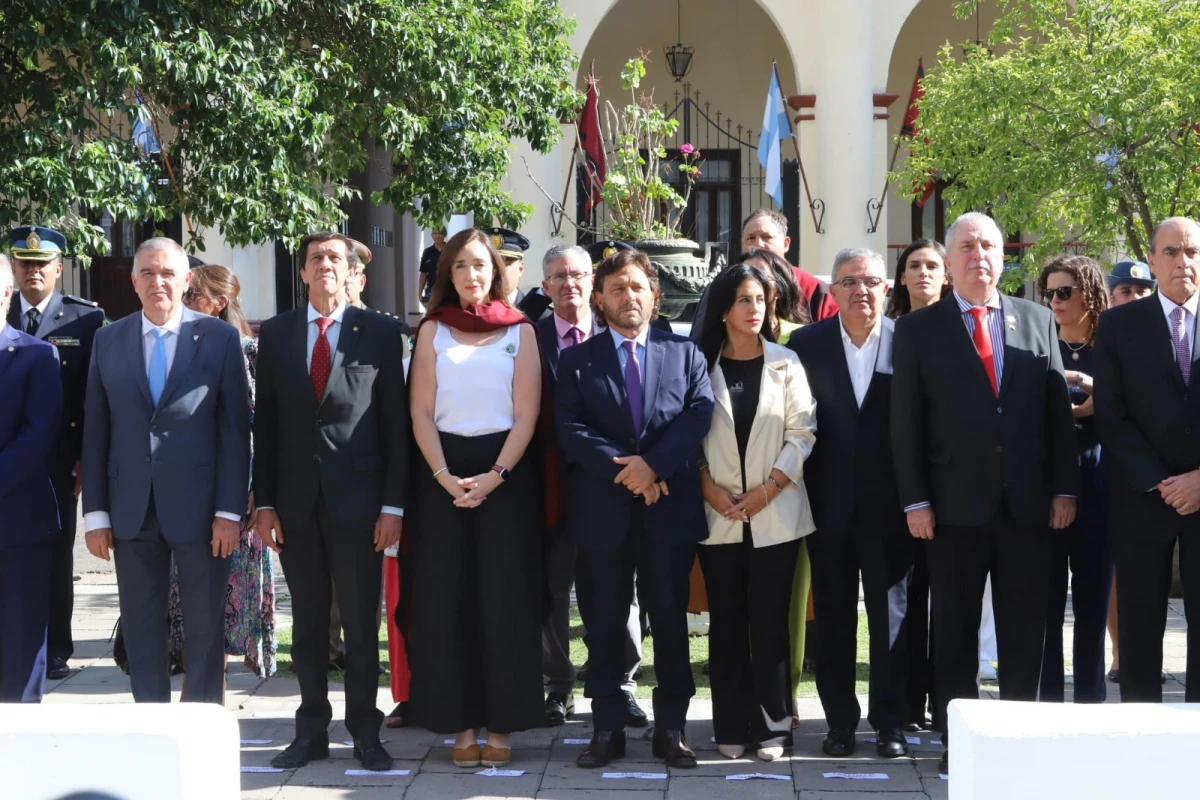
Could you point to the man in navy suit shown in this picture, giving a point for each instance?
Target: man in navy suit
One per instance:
(69, 323)
(166, 470)
(856, 507)
(30, 406)
(632, 406)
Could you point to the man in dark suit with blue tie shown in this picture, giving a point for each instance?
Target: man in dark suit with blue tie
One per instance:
(632, 406)
(69, 323)
(29, 415)
(166, 470)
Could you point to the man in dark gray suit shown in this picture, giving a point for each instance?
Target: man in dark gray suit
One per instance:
(330, 480)
(166, 465)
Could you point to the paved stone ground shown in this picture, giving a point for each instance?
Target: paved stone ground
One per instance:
(546, 756)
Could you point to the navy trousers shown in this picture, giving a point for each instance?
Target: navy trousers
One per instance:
(24, 611)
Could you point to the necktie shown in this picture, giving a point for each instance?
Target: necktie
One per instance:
(158, 366)
(322, 363)
(983, 344)
(31, 324)
(575, 335)
(1179, 338)
(633, 385)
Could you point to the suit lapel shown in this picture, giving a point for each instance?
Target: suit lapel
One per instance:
(137, 356)
(296, 357)
(51, 318)
(8, 339)
(190, 337)
(611, 366)
(1012, 330)
(14, 314)
(883, 362)
(835, 349)
(550, 344)
(770, 395)
(347, 342)
(720, 389)
(651, 371)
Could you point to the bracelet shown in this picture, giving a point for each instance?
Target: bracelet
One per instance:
(766, 499)
(771, 478)
(440, 471)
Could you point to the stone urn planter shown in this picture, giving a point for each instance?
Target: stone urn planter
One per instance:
(684, 269)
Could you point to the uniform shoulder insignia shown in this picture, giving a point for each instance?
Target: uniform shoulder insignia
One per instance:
(73, 299)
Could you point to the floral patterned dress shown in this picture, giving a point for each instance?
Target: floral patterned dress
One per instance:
(250, 597)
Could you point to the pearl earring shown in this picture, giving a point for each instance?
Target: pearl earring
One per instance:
(723, 319)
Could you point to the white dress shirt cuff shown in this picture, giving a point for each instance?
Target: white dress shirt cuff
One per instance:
(398, 512)
(95, 520)
(264, 508)
(915, 506)
(229, 515)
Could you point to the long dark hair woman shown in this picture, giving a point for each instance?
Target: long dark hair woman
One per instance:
(1075, 289)
(752, 476)
(921, 278)
(789, 311)
(476, 520)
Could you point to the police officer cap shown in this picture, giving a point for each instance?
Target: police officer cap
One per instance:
(35, 243)
(362, 251)
(509, 244)
(604, 249)
(1131, 272)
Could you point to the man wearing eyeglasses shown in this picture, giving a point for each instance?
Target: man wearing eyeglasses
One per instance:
(856, 507)
(568, 285)
(986, 460)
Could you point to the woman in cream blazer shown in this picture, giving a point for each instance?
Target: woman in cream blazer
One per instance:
(763, 429)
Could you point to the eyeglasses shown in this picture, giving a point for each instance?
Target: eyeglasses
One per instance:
(191, 295)
(577, 277)
(1063, 293)
(850, 284)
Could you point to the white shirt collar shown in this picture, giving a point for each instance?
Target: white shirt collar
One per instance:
(171, 326)
(965, 305)
(336, 315)
(41, 307)
(872, 337)
(619, 338)
(1169, 305)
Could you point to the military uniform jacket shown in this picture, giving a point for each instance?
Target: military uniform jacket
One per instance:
(70, 324)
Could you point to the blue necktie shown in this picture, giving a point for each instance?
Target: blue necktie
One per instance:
(158, 366)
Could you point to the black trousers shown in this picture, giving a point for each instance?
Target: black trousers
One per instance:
(59, 641)
(918, 621)
(1144, 570)
(477, 597)
(314, 554)
(1018, 557)
(884, 558)
(604, 587)
(24, 596)
(1086, 548)
(749, 596)
(143, 572)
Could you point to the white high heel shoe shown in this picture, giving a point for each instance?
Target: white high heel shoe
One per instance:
(732, 750)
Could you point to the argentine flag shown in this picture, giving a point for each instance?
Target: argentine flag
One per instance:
(775, 127)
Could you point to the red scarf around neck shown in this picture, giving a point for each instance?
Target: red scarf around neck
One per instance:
(480, 318)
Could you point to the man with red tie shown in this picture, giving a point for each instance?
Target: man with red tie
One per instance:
(985, 455)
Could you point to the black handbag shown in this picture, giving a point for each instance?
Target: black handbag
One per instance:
(119, 654)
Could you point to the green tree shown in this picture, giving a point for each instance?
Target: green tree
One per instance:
(263, 108)
(1079, 122)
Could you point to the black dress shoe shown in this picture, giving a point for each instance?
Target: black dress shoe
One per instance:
(838, 742)
(57, 669)
(372, 755)
(1114, 675)
(302, 750)
(634, 716)
(559, 707)
(890, 743)
(672, 747)
(602, 749)
(944, 764)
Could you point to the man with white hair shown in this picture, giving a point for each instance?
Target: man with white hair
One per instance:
(29, 416)
(166, 470)
(986, 460)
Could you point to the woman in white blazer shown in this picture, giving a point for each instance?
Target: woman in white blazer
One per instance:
(752, 475)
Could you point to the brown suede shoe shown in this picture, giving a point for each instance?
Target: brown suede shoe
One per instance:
(468, 756)
(495, 756)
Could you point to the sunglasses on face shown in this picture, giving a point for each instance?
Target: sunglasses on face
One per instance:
(1063, 293)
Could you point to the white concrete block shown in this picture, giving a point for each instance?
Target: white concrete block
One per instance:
(178, 751)
(1006, 750)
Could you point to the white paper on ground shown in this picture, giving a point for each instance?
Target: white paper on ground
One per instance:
(350, 743)
(451, 741)
(766, 776)
(261, 769)
(577, 741)
(257, 741)
(650, 776)
(858, 776)
(492, 772)
(944, 776)
(368, 773)
(909, 739)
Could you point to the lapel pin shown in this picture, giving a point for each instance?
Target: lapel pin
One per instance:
(356, 329)
(11, 348)
(1012, 323)
(60, 314)
(195, 337)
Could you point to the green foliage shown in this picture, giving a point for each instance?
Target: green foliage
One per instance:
(265, 108)
(1080, 126)
(643, 204)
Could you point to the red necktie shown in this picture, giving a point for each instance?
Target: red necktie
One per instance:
(983, 343)
(321, 362)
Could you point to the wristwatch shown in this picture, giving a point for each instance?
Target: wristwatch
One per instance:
(499, 470)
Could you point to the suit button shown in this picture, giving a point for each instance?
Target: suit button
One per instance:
(999, 410)
(316, 458)
(72, 424)
(999, 449)
(147, 459)
(64, 362)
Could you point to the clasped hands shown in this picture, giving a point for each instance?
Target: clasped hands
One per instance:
(1182, 492)
(469, 492)
(637, 476)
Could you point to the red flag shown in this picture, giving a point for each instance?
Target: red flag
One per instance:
(910, 128)
(595, 165)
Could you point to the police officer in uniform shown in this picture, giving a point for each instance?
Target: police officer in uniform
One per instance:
(512, 246)
(68, 323)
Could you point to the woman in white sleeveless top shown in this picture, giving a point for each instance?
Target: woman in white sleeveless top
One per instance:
(475, 389)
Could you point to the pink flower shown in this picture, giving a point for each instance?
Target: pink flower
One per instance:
(687, 149)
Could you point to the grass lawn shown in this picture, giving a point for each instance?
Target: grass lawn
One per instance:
(699, 655)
